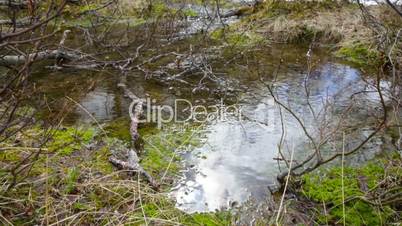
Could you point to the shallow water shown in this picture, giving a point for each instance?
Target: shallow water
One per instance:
(237, 159)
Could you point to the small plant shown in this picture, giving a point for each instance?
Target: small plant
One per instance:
(71, 180)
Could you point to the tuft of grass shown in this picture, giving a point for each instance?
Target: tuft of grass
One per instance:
(190, 13)
(71, 179)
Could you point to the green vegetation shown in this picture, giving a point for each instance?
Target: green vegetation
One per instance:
(298, 9)
(71, 179)
(62, 174)
(306, 22)
(236, 38)
(362, 187)
(161, 208)
(67, 140)
(190, 13)
(359, 54)
(119, 128)
(72, 169)
(161, 149)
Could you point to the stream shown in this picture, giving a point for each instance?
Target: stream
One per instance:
(238, 158)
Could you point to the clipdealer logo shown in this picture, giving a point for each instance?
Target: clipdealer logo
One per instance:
(184, 111)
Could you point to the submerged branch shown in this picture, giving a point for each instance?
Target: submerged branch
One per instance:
(132, 162)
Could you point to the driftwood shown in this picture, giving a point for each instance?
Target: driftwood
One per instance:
(132, 162)
(58, 54)
(15, 4)
(138, 110)
(18, 23)
(43, 55)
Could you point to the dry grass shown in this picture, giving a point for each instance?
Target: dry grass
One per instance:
(82, 188)
(323, 26)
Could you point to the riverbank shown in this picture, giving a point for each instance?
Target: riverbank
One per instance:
(341, 26)
(72, 181)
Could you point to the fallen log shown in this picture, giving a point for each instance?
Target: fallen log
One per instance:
(138, 110)
(133, 162)
(18, 23)
(42, 55)
(15, 4)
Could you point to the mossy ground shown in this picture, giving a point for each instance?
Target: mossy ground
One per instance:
(235, 38)
(73, 177)
(367, 182)
(360, 54)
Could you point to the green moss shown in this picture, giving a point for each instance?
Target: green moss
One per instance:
(119, 128)
(210, 219)
(100, 161)
(236, 38)
(217, 34)
(190, 13)
(10, 155)
(160, 149)
(159, 9)
(326, 187)
(360, 54)
(67, 140)
(88, 7)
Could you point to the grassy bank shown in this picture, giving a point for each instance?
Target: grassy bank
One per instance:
(335, 24)
(70, 180)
